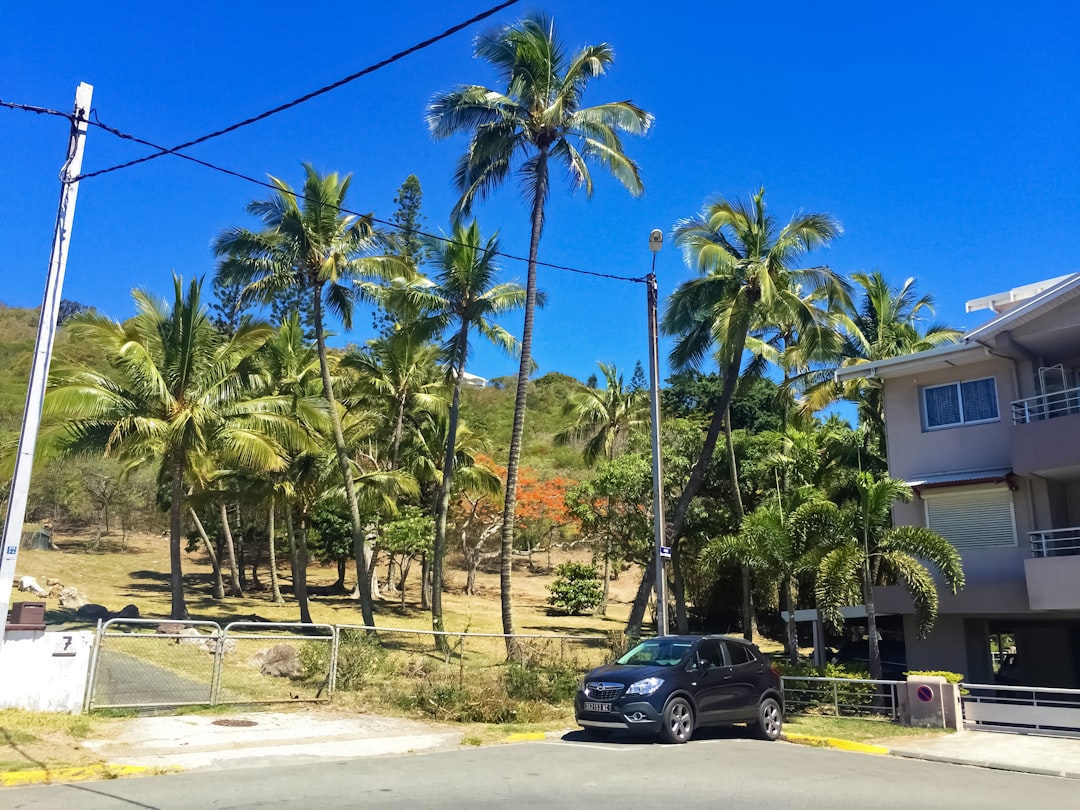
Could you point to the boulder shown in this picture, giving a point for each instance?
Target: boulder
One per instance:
(55, 591)
(282, 661)
(50, 582)
(30, 585)
(92, 612)
(126, 612)
(190, 635)
(72, 599)
(170, 629)
(228, 645)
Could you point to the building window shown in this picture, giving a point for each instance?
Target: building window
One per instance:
(972, 517)
(960, 403)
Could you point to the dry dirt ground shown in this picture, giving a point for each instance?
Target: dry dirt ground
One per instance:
(135, 570)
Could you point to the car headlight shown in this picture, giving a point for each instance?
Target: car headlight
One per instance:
(645, 686)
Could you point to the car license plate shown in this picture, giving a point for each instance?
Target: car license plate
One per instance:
(597, 707)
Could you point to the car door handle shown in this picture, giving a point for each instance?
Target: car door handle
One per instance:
(728, 677)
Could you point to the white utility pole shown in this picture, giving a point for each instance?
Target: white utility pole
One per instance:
(662, 552)
(39, 372)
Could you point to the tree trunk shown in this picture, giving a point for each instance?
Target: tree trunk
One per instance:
(219, 586)
(298, 550)
(234, 579)
(678, 588)
(399, 429)
(425, 582)
(871, 622)
(641, 600)
(792, 633)
(367, 610)
(178, 607)
(275, 590)
(342, 564)
(540, 190)
(602, 610)
(747, 584)
(442, 504)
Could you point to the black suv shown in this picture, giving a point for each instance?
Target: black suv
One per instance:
(674, 684)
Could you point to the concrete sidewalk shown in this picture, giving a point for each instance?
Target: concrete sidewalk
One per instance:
(1028, 753)
(244, 739)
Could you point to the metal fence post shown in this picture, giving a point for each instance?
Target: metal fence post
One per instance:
(331, 682)
(91, 675)
(219, 659)
(835, 700)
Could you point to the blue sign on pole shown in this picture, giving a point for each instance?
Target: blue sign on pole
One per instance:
(665, 552)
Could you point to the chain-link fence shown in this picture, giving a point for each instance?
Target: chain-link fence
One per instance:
(150, 663)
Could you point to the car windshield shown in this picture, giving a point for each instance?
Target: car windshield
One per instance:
(657, 652)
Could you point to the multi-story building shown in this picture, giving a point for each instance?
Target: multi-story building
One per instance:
(987, 433)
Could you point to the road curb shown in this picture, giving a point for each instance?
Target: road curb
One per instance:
(984, 763)
(838, 744)
(81, 774)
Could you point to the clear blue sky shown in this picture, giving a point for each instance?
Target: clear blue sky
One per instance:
(942, 135)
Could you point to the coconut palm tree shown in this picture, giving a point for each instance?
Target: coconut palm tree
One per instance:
(310, 245)
(603, 417)
(463, 297)
(870, 551)
(537, 120)
(177, 391)
(747, 277)
(885, 321)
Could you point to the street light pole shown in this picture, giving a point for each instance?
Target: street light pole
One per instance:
(656, 241)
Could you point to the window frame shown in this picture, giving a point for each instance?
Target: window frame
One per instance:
(958, 385)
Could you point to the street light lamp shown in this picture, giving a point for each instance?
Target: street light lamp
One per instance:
(656, 242)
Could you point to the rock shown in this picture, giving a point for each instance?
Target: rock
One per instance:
(190, 635)
(170, 629)
(229, 645)
(72, 599)
(51, 583)
(92, 612)
(282, 661)
(126, 612)
(55, 591)
(30, 585)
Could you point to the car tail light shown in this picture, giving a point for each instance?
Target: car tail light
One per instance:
(775, 672)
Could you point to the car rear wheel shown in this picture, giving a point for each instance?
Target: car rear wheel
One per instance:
(678, 725)
(770, 720)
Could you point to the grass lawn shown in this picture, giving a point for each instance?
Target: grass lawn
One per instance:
(45, 740)
(855, 729)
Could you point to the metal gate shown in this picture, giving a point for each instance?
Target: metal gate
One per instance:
(153, 663)
(1021, 709)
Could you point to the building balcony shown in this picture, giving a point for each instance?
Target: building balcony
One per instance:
(1045, 435)
(1053, 571)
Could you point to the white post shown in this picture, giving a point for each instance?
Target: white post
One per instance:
(39, 371)
(656, 241)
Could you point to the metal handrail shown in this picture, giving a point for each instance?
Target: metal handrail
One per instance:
(1046, 406)
(1045, 543)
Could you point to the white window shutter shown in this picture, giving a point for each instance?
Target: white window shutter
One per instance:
(970, 517)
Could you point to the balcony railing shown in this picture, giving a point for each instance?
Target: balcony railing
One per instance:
(1055, 542)
(1046, 406)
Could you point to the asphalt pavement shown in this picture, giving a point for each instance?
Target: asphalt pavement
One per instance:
(725, 770)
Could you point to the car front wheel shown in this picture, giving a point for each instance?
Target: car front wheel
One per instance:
(678, 725)
(770, 720)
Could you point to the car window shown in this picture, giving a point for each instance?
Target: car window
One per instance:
(709, 650)
(657, 652)
(739, 654)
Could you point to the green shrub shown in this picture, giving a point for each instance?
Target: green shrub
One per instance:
(950, 677)
(576, 589)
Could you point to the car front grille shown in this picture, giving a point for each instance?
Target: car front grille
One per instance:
(602, 690)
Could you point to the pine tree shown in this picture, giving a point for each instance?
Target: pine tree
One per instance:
(638, 382)
(405, 241)
(228, 309)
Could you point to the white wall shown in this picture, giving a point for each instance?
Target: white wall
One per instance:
(43, 671)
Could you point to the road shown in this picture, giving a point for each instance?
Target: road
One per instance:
(722, 771)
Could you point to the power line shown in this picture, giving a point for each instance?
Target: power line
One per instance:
(35, 109)
(307, 97)
(95, 121)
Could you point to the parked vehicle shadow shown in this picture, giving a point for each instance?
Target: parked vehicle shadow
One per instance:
(621, 737)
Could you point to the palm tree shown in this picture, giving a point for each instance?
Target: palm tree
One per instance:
(871, 552)
(536, 120)
(398, 372)
(784, 542)
(887, 322)
(463, 297)
(747, 278)
(177, 391)
(603, 417)
(309, 245)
